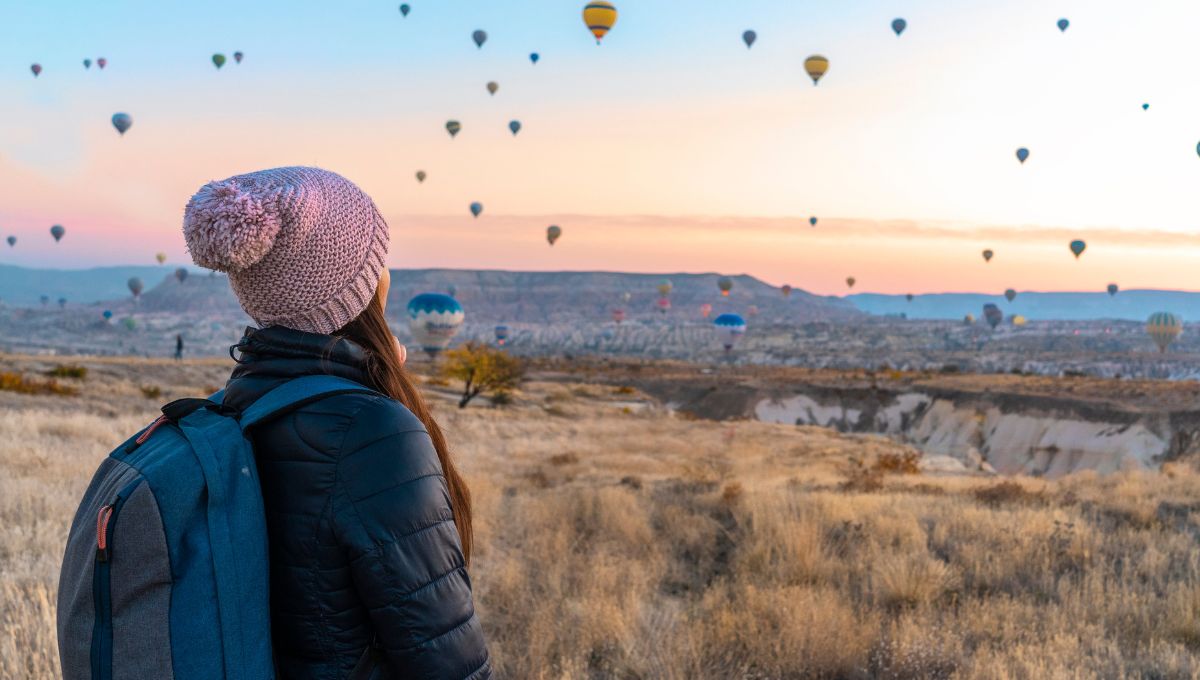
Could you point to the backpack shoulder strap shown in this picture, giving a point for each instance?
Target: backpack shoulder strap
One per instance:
(297, 392)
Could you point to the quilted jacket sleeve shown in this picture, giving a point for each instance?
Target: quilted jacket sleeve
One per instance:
(392, 514)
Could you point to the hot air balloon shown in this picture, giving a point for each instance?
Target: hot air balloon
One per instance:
(12, 241)
(181, 274)
(626, 296)
(850, 281)
(501, 334)
(553, 232)
(492, 87)
(101, 62)
(1164, 328)
(1145, 107)
(480, 37)
(476, 208)
(969, 320)
(752, 310)
(664, 305)
(749, 37)
(62, 302)
(135, 286)
(122, 122)
(237, 57)
(599, 16)
(1018, 321)
(786, 290)
(218, 60)
(514, 126)
(434, 319)
(37, 70)
(1022, 154)
(534, 57)
(909, 297)
(993, 315)
(988, 255)
(1198, 148)
(730, 328)
(57, 232)
(1010, 295)
(725, 284)
(618, 315)
(816, 66)
(404, 10)
(664, 288)
(452, 291)
(705, 310)
(420, 175)
(160, 257)
(1113, 289)
(129, 323)
(107, 314)
(87, 63)
(898, 25)
(1077, 247)
(1062, 24)
(812, 221)
(45, 300)
(453, 126)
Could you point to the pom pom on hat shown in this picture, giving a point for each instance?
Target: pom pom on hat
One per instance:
(229, 229)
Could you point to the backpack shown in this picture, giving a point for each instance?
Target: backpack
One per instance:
(165, 570)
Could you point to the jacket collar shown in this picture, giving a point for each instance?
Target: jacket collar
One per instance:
(269, 356)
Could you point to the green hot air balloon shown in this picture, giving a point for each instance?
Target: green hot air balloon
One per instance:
(453, 126)
(1163, 328)
(218, 60)
(1077, 247)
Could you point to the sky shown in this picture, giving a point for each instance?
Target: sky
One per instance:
(671, 147)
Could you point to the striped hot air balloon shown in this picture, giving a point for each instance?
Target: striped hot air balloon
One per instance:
(725, 284)
(599, 16)
(1163, 328)
(434, 319)
(816, 66)
(501, 334)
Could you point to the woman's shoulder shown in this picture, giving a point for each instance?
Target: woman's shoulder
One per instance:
(364, 413)
(384, 443)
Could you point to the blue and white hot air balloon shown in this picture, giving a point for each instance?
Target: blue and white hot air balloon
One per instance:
(501, 334)
(730, 328)
(434, 319)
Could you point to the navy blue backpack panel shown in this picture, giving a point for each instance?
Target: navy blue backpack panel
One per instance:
(165, 572)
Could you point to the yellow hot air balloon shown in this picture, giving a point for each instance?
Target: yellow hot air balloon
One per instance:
(1164, 328)
(816, 65)
(1019, 321)
(599, 16)
(161, 257)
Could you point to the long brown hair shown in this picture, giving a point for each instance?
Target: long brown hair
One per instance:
(386, 373)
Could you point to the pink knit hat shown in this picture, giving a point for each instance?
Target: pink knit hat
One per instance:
(304, 248)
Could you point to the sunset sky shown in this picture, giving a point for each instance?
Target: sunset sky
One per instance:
(671, 147)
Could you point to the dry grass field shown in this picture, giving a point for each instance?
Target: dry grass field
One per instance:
(617, 540)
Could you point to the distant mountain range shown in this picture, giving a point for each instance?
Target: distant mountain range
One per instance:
(22, 287)
(1131, 305)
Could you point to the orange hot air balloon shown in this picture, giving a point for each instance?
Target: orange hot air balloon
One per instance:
(599, 16)
(705, 310)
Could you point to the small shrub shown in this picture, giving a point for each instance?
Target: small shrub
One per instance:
(502, 398)
(731, 493)
(15, 382)
(631, 481)
(73, 371)
(624, 390)
(1004, 493)
(861, 477)
(151, 391)
(907, 463)
(564, 458)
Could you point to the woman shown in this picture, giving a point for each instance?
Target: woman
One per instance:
(368, 519)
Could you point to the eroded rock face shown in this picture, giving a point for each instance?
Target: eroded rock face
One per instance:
(977, 432)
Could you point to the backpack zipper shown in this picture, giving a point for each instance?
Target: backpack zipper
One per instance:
(102, 632)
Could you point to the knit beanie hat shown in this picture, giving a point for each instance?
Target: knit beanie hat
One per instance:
(304, 247)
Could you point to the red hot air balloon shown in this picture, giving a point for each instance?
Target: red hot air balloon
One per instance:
(37, 70)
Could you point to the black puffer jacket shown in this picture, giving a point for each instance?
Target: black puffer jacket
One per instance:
(362, 538)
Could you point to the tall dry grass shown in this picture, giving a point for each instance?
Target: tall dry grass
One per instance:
(617, 541)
